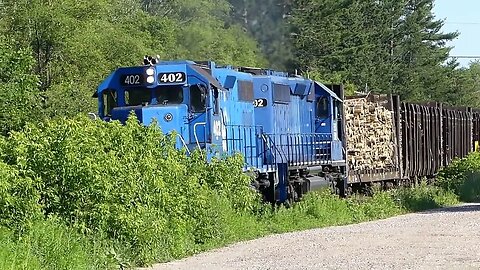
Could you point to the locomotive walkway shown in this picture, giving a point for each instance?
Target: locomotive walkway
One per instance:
(447, 238)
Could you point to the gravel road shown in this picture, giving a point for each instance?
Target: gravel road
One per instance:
(446, 238)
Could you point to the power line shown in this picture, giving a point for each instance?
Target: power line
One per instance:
(465, 56)
(463, 23)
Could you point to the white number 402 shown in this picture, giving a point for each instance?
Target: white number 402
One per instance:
(172, 77)
(132, 79)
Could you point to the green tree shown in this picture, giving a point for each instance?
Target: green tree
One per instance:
(19, 93)
(385, 45)
(75, 44)
(267, 22)
(202, 34)
(463, 88)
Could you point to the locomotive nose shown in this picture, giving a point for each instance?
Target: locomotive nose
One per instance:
(169, 118)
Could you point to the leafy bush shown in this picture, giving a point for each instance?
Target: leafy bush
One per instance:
(19, 93)
(469, 191)
(462, 177)
(380, 205)
(18, 199)
(130, 183)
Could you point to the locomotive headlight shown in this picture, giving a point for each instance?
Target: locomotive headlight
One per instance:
(150, 79)
(150, 71)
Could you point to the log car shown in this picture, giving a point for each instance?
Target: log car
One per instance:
(423, 139)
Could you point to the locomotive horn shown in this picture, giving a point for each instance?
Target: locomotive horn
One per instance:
(150, 60)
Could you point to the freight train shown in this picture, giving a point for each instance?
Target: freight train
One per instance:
(295, 134)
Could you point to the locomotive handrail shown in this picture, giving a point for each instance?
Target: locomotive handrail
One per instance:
(184, 143)
(93, 116)
(243, 139)
(271, 142)
(195, 131)
(299, 149)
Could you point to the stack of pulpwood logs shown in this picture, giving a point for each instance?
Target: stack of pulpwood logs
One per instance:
(370, 134)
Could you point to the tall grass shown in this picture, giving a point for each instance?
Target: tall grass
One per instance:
(49, 244)
(324, 209)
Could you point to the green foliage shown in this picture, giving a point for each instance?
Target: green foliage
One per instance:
(132, 198)
(380, 205)
(320, 209)
(75, 44)
(462, 177)
(265, 20)
(71, 46)
(19, 94)
(424, 197)
(463, 83)
(19, 198)
(386, 46)
(470, 189)
(51, 245)
(202, 34)
(130, 183)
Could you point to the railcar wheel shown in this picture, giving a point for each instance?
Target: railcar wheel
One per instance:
(389, 185)
(368, 190)
(292, 194)
(349, 191)
(333, 188)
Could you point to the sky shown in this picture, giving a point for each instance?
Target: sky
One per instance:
(462, 16)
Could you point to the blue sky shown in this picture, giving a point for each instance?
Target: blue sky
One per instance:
(464, 16)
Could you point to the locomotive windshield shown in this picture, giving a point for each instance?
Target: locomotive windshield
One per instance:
(169, 94)
(137, 97)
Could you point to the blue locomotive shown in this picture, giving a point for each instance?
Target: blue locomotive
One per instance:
(288, 128)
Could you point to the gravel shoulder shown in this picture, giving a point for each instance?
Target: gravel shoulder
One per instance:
(447, 238)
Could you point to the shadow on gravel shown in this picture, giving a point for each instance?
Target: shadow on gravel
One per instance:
(458, 209)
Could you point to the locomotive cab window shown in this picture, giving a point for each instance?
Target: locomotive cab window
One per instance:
(336, 110)
(322, 107)
(137, 97)
(198, 97)
(169, 94)
(109, 102)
